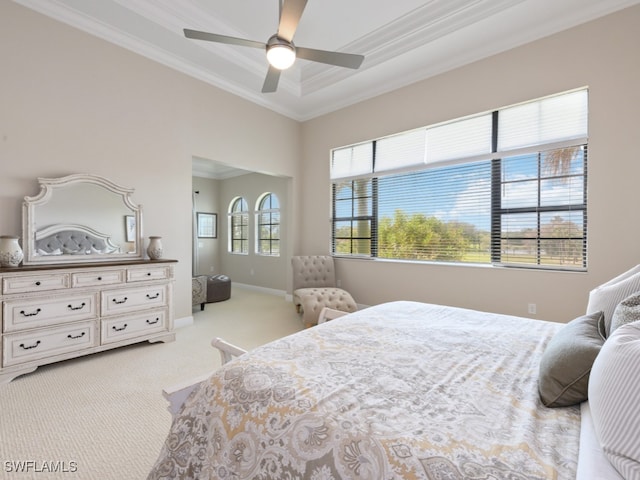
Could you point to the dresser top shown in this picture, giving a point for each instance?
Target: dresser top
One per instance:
(61, 266)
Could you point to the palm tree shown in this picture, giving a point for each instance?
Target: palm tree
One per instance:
(558, 162)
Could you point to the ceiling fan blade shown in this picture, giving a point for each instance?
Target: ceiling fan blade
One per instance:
(339, 59)
(271, 81)
(214, 37)
(290, 17)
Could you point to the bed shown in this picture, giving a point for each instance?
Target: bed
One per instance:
(403, 390)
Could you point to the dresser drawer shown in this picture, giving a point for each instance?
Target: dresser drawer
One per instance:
(97, 278)
(38, 344)
(20, 314)
(132, 299)
(139, 325)
(158, 272)
(35, 283)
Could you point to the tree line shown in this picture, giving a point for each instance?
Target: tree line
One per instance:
(420, 237)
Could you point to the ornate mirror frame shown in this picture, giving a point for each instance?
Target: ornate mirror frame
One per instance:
(33, 231)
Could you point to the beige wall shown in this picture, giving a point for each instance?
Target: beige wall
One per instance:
(602, 55)
(72, 103)
(206, 250)
(252, 269)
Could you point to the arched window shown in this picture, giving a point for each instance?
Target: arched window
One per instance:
(239, 226)
(268, 225)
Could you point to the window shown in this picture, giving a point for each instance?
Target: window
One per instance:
(506, 187)
(353, 219)
(239, 226)
(268, 225)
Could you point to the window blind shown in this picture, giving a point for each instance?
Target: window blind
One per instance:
(399, 151)
(470, 137)
(353, 160)
(548, 120)
(439, 214)
(441, 194)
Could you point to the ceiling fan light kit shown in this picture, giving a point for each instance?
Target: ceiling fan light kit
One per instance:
(281, 53)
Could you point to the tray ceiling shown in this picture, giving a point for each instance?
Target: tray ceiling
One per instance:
(403, 41)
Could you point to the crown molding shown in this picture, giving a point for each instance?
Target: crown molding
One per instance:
(435, 37)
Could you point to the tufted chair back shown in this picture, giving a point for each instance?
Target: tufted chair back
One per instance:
(313, 271)
(314, 288)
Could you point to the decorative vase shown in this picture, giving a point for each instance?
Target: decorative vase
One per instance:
(10, 252)
(154, 250)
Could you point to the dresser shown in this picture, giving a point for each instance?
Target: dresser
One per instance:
(57, 312)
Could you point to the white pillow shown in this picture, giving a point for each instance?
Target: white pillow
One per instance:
(592, 463)
(607, 296)
(614, 389)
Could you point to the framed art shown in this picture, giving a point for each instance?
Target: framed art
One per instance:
(130, 228)
(207, 225)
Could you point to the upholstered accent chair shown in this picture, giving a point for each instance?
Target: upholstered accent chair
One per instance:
(199, 290)
(314, 287)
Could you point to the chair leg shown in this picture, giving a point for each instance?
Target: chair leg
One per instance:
(201, 306)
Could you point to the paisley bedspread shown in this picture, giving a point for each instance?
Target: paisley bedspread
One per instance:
(402, 390)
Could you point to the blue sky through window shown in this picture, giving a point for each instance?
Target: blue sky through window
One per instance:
(459, 193)
(462, 193)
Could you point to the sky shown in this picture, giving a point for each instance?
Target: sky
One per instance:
(462, 192)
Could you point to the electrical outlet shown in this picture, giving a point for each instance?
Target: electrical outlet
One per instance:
(532, 308)
(338, 283)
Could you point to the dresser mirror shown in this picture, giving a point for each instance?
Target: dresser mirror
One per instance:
(81, 218)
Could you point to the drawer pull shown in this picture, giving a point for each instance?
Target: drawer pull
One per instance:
(73, 337)
(30, 346)
(148, 274)
(99, 278)
(119, 329)
(31, 314)
(153, 297)
(118, 302)
(76, 308)
(38, 284)
(153, 322)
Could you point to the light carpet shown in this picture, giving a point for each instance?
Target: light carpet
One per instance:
(103, 416)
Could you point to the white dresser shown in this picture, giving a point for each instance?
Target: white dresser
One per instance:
(56, 312)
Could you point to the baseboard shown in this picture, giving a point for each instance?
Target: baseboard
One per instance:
(183, 322)
(270, 291)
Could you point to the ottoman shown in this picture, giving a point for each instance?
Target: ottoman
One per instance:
(218, 288)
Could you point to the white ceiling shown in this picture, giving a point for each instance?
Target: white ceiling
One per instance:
(403, 41)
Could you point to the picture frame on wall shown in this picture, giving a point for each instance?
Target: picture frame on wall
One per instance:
(207, 225)
(130, 228)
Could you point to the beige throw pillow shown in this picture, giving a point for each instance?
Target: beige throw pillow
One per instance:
(627, 311)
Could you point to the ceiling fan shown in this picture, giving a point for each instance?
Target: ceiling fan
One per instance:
(281, 52)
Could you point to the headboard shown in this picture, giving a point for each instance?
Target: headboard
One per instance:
(72, 239)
